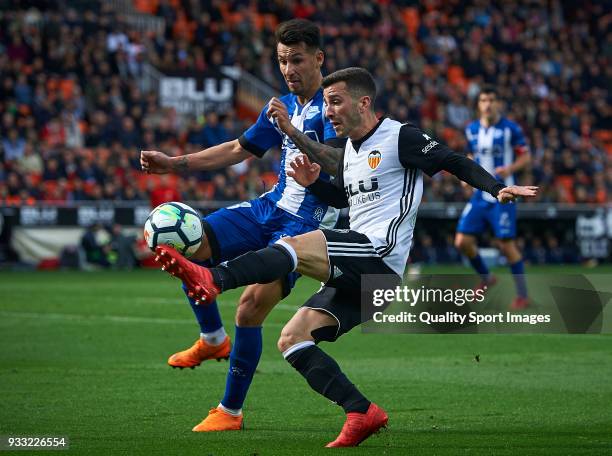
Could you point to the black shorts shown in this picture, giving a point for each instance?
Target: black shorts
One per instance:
(351, 254)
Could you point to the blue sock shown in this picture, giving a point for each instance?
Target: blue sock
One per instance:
(481, 268)
(208, 315)
(243, 362)
(518, 272)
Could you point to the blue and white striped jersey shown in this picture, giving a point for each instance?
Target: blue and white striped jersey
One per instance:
(287, 194)
(498, 145)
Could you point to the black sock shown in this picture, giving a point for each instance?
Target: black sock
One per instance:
(264, 266)
(325, 377)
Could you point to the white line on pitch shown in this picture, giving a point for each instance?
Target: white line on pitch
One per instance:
(110, 318)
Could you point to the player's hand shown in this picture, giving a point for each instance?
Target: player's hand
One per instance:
(277, 110)
(303, 171)
(155, 162)
(502, 171)
(511, 193)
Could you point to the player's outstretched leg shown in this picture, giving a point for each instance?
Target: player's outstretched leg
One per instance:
(363, 418)
(197, 279)
(263, 266)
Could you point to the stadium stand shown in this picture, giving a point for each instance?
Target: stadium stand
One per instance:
(74, 115)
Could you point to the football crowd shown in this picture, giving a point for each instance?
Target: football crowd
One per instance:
(73, 119)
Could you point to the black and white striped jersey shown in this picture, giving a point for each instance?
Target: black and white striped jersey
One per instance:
(380, 180)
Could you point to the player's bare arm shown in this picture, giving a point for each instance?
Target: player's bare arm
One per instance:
(216, 157)
(327, 156)
(520, 163)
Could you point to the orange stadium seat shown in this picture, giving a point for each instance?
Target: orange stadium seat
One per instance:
(208, 188)
(269, 179)
(146, 6)
(567, 184)
(411, 19)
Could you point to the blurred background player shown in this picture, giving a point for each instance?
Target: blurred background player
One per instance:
(286, 210)
(498, 145)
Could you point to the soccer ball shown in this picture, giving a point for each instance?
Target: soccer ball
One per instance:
(174, 224)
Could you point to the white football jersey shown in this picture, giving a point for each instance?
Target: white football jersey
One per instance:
(380, 180)
(383, 195)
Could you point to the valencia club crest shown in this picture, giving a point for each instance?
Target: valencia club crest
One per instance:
(374, 159)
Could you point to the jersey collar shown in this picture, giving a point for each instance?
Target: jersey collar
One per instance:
(357, 143)
(300, 107)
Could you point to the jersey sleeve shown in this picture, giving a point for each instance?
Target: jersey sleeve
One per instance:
(518, 140)
(469, 140)
(417, 150)
(261, 136)
(332, 193)
(471, 172)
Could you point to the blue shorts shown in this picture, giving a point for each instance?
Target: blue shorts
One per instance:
(479, 213)
(252, 225)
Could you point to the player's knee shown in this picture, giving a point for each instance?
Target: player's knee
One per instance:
(292, 241)
(288, 339)
(505, 246)
(461, 242)
(458, 242)
(509, 249)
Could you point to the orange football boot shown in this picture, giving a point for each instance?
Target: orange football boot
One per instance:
(201, 351)
(219, 420)
(360, 426)
(198, 279)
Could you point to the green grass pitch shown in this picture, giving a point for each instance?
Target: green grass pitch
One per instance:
(84, 355)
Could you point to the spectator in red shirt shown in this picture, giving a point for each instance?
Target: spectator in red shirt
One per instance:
(164, 192)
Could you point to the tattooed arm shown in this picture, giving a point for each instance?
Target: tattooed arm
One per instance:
(327, 155)
(221, 156)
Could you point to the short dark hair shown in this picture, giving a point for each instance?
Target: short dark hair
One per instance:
(359, 82)
(488, 89)
(298, 31)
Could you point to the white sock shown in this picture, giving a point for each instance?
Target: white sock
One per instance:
(214, 338)
(229, 411)
(297, 347)
(291, 251)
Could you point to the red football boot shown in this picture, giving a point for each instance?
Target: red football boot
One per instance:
(486, 284)
(519, 303)
(360, 426)
(198, 279)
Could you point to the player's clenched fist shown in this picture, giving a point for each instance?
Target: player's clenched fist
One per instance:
(277, 110)
(154, 162)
